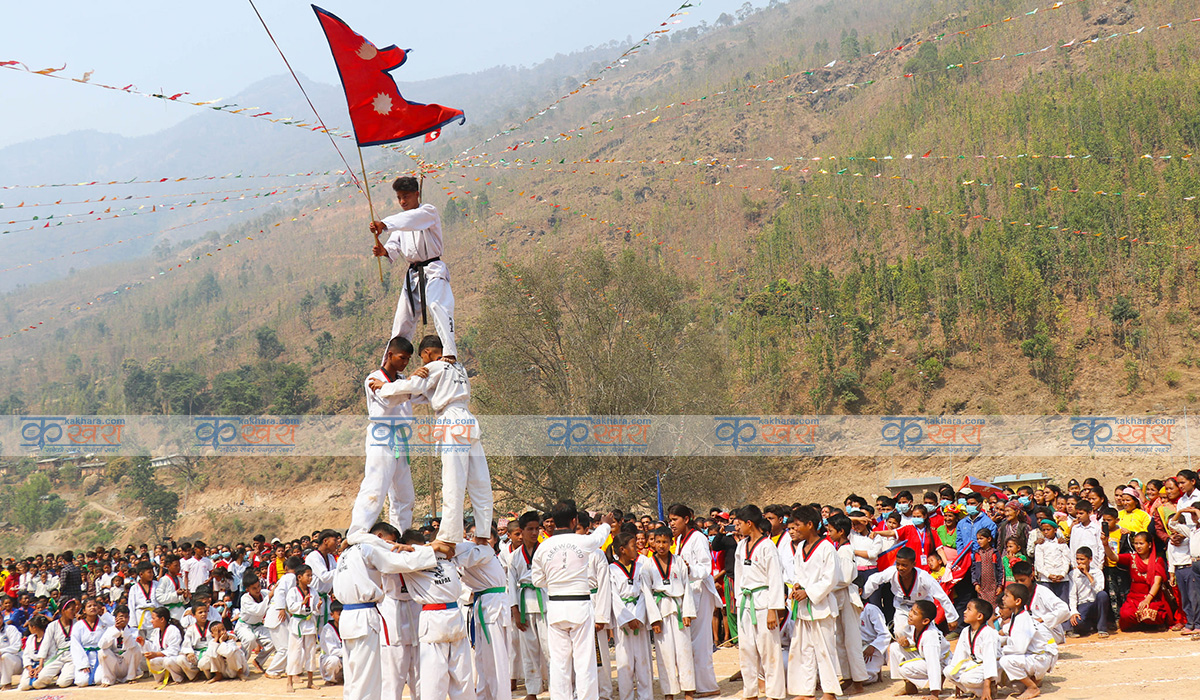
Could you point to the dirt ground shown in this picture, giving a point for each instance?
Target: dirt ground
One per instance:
(1141, 666)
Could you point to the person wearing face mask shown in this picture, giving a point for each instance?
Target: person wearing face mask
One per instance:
(917, 536)
(938, 503)
(972, 520)
(904, 507)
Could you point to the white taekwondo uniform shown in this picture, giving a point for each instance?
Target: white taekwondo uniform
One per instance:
(562, 566)
(925, 587)
(276, 623)
(169, 594)
(922, 661)
(142, 600)
(400, 650)
(811, 658)
(758, 580)
(170, 642)
(386, 471)
(848, 637)
(358, 585)
(693, 548)
(228, 657)
(874, 633)
(602, 612)
(85, 650)
(323, 566)
(632, 601)
(256, 639)
(120, 656)
(976, 659)
(331, 654)
(1028, 649)
(415, 236)
(488, 581)
(1049, 609)
(58, 668)
(445, 648)
(672, 593)
(10, 654)
(304, 623)
(464, 466)
(530, 602)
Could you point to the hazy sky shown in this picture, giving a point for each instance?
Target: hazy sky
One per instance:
(216, 48)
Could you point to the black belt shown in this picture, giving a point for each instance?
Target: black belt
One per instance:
(419, 267)
(564, 598)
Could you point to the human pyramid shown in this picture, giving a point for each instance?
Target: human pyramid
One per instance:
(471, 612)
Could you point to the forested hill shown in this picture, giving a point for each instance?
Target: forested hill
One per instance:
(860, 206)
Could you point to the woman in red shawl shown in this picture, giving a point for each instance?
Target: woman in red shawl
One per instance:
(1146, 603)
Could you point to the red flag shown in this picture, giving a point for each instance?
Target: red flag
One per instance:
(433, 136)
(377, 110)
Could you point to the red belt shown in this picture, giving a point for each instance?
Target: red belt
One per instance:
(439, 606)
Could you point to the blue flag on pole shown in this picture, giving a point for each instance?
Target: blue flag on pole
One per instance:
(662, 516)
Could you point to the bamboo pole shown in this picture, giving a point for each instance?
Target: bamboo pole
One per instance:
(371, 205)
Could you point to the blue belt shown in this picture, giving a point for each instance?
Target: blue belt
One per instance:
(359, 606)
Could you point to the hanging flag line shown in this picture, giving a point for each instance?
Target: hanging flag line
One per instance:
(962, 217)
(223, 107)
(179, 266)
(45, 222)
(34, 263)
(172, 228)
(618, 62)
(728, 96)
(538, 199)
(729, 163)
(194, 178)
(822, 171)
(111, 198)
(645, 41)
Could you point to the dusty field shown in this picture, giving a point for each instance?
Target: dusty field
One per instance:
(1143, 666)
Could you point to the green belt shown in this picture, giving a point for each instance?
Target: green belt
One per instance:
(396, 449)
(175, 605)
(521, 607)
(302, 617)
(658, 598)
(594, 591)
(479, 610)
(748, 593)
(796, 607)
(630, 601)
(325, 613)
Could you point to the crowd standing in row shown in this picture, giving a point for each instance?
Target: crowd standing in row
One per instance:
(817, 598)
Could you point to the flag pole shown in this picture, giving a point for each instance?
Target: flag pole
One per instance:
(371, 206)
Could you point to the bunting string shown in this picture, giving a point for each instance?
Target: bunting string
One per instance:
(44, 222)
(130, 197)
(727, 97)
(617, 62)
(152, 181)
(162, 273)
(122, 241)
(181, 98)
(646, 40)
(1050, 189)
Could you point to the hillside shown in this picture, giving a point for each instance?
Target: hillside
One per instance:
(780, 235)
